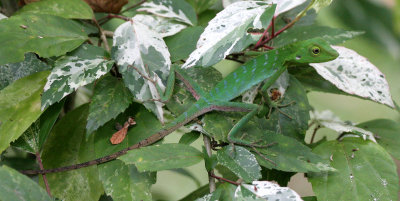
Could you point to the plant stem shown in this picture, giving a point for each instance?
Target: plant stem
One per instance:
(314, 133)
(226, 180)
(102, 35)
(39, 160)
(211, 180)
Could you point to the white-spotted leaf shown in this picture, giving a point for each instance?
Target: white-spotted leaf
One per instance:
(178, 10)
(319, 4)
(80, 68)
(241, 162)
(138, 48)
(354, 74)
(281, 5)
(327, 119)
(227, 32)
(164, 26)
(270, 191)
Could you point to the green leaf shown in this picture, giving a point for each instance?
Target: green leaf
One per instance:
(67, 145)
(79, 68)
(34, 137)
(164, 26)
(110, 98)
(227, 32)
(387, 134)
(201, 5)
(20, 107)
(240, 161)
(123, 182)
(189, 138)
(183, 43)
(43, 34)
(297, 125)
(204, 190)
(331, 35)
(318, 4)
(139, 51)
(365, 172)
(75, 9)
(280, 177)
(11, 72)
(162, 157)
(178, 10)
(16, 186)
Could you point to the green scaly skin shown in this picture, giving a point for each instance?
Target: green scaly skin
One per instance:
(268, 66)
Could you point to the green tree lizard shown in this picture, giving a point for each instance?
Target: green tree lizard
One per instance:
(268, 66)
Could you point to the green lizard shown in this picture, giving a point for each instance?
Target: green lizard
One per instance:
(268, 66)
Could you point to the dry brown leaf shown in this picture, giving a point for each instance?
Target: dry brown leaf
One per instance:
(120, 135)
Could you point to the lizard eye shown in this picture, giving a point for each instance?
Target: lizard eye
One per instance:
(315, 50)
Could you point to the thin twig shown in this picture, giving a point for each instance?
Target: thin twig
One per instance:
(133, 6)
(143, 75)
(110, 16)
(262, 156)
(39, 160)
(211, 180)
(314, 133)
(102, 35)
(226, 180)
(108, 33)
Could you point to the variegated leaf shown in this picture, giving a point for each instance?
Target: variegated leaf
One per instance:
(329, 120)
(318, 4)
(354, 74)
(80, 68)
(140, 51)
(281, 5)
(270, 191)
(227, 32)
(164, 26)
(178, 10)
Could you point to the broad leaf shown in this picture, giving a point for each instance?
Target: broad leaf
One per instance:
(365, 172)
(123, 182)
(178, 10)
(201, 5)
(16, 186)
(387, 134)
(138, 48)
(34, 137)
(162, 157)
(20, 107)
(224, 192)
(67, 145)
(43, 34)
(110, 98)
(183, 43)
(227, 32)
(75, 9)
(189, 138)
(164, 26)
(11, 72)
(241, 162)
(270, 191)
(354, 74)
(319, 4)
(79, 68)
(327, 119)
(281, 5)
(299, 33)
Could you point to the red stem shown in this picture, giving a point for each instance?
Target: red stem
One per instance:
(39, 160)
(223, 179)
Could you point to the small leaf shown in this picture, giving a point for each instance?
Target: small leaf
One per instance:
(110, 98)
(331, 35)
(162, 157)
(241, 162)
(189, 138)
(327, 119)
(11, 72)
(201, 5)
(387, 134)
(120, 135)
(42, 34)
(164, 26)
(67, 145)
(79, 68)
(178, 10)
(140, 51)
(182, 44)
(16, 186)
(20, 107)
(365, 172)
(354, 74)
(227, 32)
(270, 191)
(75, 9)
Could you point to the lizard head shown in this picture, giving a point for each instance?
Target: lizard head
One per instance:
(315, 50)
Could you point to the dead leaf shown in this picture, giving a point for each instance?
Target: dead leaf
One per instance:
(120, 135)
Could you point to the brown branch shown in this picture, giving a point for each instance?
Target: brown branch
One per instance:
(102, 35)
(226, 180)
(39, 160)
(211, 180)
(314, 133)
